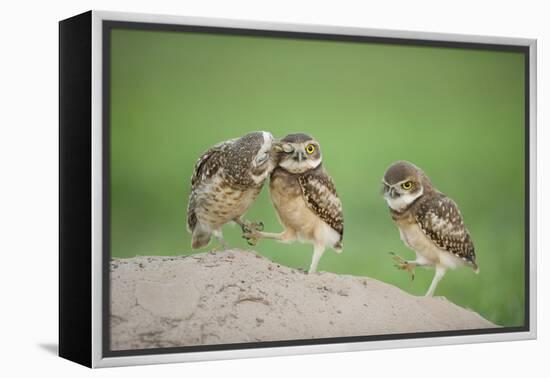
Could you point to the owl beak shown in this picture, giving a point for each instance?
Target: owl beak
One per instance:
(389, 191)
(298, 156)
(393, 193)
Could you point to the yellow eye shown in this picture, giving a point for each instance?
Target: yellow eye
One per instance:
(310, 148)
(407, 185)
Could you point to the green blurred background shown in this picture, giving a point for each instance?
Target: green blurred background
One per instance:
(456, 113)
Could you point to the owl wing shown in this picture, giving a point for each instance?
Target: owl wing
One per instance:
(320, 195)
(441, 221)
(207, 165)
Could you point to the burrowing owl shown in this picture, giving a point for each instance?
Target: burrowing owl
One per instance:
(226, 181)
(429, 222)
(305, 198)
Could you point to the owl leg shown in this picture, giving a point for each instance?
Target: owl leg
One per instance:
(249, 226)
(252, 236)
(439, 273)
(402, 264)
(318, 250)
(218, 235)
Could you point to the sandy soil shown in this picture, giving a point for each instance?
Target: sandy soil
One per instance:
(238, 296)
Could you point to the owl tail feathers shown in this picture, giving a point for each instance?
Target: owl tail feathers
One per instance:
(475, 268)
(338, 247)
(200, 238)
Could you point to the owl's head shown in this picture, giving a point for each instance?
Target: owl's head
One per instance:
(404, 183)
(298, 153)
(256, 150)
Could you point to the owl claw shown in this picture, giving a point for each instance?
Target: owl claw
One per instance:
(402, 264)
(251, 237)
(252, 226)
(256, 226)
(250, 240)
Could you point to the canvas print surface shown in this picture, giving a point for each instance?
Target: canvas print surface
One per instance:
(286, 189)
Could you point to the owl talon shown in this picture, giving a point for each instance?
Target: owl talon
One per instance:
(251, 237)
(255, 226)
(259, 226)
(252, 242)
(402, 264)
(222, 246)
(252, 226)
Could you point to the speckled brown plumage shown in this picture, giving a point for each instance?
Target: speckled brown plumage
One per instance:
(234, 156)
(320, 195)
(429, 222)
(305, 198)
(225, 182)
(441, 221)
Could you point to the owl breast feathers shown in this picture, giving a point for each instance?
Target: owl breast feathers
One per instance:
(440, 220)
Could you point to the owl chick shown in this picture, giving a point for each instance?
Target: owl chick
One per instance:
(305, 198)
(429, 222)
(226, 180)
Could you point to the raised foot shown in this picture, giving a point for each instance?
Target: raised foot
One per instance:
(252, 226)
(252, 236)
(251, 231)
(402, 264)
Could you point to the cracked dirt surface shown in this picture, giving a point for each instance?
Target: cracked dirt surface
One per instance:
(238, 296)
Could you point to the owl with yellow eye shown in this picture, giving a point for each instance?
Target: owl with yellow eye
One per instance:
(429, 223)
(304, 197)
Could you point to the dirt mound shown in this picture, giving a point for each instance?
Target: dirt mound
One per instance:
(238, 296)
